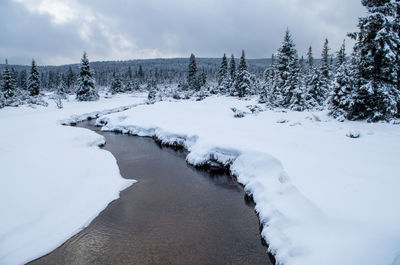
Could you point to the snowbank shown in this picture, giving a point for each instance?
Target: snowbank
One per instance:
(54, 179)
(323, 197)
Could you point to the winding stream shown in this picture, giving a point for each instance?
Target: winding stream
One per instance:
(175, 214)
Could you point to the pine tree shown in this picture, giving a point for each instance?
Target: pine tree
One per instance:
(34, 80)
(70, 80)
(8, 87)
(341, 99)
(223, 70)
(286, 77)
(232, 67)
(140, 73)
(269, 74)
(152, 88)
(131, 86)
(62, 87)
(86, 90)
(23, 80)
(374, 63)
(14, 76)
(341, 55)
(192, 78)
(324, 68)
(243, 83)
(310, 58)
(129, 73)
(242, 63)
(116, 84)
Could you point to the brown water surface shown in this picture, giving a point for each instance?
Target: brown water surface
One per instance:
(175, 214)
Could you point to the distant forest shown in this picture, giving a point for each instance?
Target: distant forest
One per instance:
(162, 71)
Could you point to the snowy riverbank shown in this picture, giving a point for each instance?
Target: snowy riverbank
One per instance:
(54, 178)
(324, 198)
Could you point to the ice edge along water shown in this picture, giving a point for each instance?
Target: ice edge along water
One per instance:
(296, 229)
(268, 179)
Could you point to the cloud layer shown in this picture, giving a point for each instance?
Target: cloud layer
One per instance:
(57, 31)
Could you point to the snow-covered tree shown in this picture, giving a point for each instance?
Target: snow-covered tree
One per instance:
(269, 75)
(23, 80)
(286, 82)
(192, 78)
(375, 63)
(224, 79)
(8, 84)
(86, 90)
(310, 58)
(62, 88)
(325, 65)
(116, 84)
(140, 73)
(34, 80)
(153, 91)
(340, 100)
(244, 81)
(131, 86)
(223, 70)
(341, 55)
(232, 67)
(70, 80)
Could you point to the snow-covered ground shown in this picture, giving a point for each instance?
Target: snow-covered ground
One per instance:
(54, 179)
(323, 197)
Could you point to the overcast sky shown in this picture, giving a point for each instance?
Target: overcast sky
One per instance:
(57, 32)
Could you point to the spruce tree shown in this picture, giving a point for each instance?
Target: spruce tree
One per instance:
(232, 67)
(341, 96)
(86, 90)
(310, 58)
(192, 77)
(70, 80)
(62, 87)
(129, 73)
(269, 74)
(245, 82)
(375, 63)
(8, 87)
(140, 73)
(324, 68)
(223, 70)
(23, 80)
(116, 84)
(341, 55)
(321, 87)
(286, 79)
(34, 80)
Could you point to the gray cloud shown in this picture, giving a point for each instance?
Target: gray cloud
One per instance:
(57, 31)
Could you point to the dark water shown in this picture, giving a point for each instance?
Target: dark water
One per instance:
(173, 215)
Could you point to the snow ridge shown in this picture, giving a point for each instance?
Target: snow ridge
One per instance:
(74, 119)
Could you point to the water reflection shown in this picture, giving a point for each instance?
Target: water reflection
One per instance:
(175, 214)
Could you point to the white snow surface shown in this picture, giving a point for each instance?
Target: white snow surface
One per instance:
(323, 197)
(54, 179)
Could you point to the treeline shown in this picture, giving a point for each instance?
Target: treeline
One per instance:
(363, 85)
(162, 71)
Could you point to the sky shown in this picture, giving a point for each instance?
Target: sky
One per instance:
(56, 32)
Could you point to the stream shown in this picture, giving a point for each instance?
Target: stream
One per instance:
(174, 214)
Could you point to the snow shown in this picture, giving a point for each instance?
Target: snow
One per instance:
(54, 179)
(323, 197)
